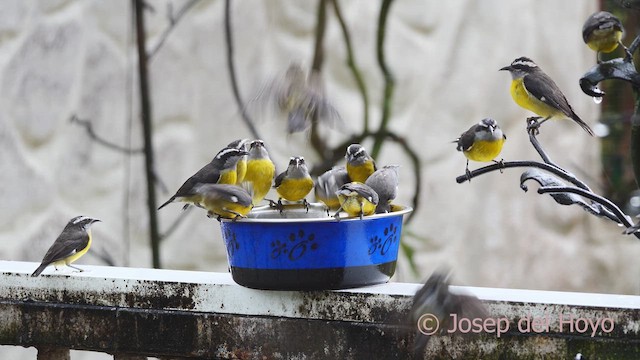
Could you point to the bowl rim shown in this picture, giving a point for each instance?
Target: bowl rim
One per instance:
(404, 210)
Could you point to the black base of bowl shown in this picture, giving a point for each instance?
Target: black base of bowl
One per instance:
(314, 279)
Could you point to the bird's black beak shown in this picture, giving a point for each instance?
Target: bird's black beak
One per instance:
(505, 68)
(96, 220)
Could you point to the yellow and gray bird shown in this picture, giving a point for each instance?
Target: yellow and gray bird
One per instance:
(385, 183)
(360, 165)
(357, 199)
(602, 32)
(221, 170)
(534, 90)
(302, 100)
(71, 244)
(328, 183)
(223, 200)
(295, 183)
(433, 307)
(482, 142)
(260, 171)
(241, 167)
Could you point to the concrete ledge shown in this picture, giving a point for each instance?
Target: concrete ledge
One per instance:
(199, 314)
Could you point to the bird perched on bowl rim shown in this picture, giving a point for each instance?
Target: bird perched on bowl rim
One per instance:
(73, 242)
(223, 200)
(535, 91)
(295, 183)
(328, 183)
(357, 199)
(241, 166)
(385, 183)
(482, 142)
(360, 165)
(602, 32)
(221, 170)
(260, 171)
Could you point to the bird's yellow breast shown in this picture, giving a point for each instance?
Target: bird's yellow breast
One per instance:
(241, 171)
(73, 257)
(295, 189)
(260, 173)
(484, 150)
(604, 40)
(228, 177)
(360, 173)
(522, 97)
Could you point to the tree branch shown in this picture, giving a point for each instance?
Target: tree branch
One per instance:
(145, 107)
(388, 79)
(74, 119)
(232, 72)
(351, 63)
(173, 21)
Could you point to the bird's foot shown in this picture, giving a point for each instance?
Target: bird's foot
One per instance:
(533, 125)
(501, 164)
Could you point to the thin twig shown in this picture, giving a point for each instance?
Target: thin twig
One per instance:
(417, 171)
(175, 224)
(232, 72)
(174, 19)
(388, 79)
(92, 134)
(351, 63)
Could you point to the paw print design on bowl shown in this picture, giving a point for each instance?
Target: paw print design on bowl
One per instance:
(295, 246)
(390, 236)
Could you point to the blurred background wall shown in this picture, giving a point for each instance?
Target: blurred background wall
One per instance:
(64, 58)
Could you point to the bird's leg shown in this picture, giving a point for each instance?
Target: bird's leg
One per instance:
(501, 163)
(467, 172)
(73, 267)
(306, 204)
(280, 206)
(533, 124)
(337, 214)
(361, 210)
(272, 204)
(237, 214)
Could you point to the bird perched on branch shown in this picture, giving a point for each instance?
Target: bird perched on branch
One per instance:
(260, 171)
(534, 90)
(602, 32)
(357, 199)
(221, 170)
(223, 200)
(71, 244)
(385, 183)
(482, 142)
(360, 165)
(295, 183)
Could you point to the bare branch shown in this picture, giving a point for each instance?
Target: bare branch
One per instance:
(174, 19)
(92, 134)
(232, 72)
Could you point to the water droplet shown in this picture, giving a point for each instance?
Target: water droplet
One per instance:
(597, 99)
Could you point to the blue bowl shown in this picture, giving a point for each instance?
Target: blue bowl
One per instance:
(300, 250)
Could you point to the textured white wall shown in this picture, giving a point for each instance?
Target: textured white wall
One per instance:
(58, 58)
